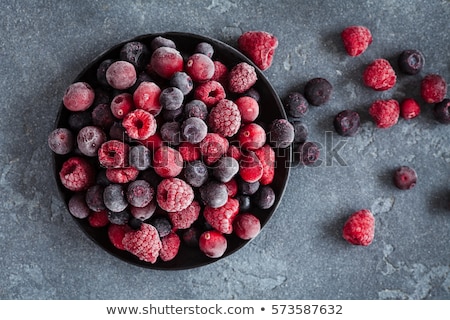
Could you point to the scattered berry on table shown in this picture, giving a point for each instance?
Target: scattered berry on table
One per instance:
(248, 108)
(356, 39)
(259, 46)
(347, 123)
(308, 153)
(77, 206)
(225, 169)
(212, 243)
(79, 96)
(136, 53)
(296, 105)
(122, 175)
(174, 194)
(77, 174)
(405, 178)
(139, 193)
(193, 130)
(300, 131)
(225, 118)
(209, 92)
(214, 194)
(196, 108)
(146, 97)
(89, 140)
(433, 88)
(379, 75)
(170, 245)
(359, 229)
(167, 162)
(114, 198)
(281, 133)
(241, 77)
(442, 111)
(182, 81)
(171, 98)
(409, 108)
(195, 173)
(184, 219)
(166, 61)
(318, 91)
(221, 218)
(121, 75)
(199, 67)
(94, 198)
(264, 198)
(122, 104)
(251, 136)
(385, 113)
(143, 243)
(61, 141)
(246, 226)
(411, 61)
(139, 124)
(163, 225)
(113, 154)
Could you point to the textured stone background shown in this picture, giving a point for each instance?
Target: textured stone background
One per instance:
(300, 253)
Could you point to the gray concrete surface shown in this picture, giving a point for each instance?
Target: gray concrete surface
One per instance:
(300, 253)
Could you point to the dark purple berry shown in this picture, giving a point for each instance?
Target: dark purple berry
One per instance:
(139, 193)
(61, 141)
(78, 120)
(171, 98)
(346, 123)
(134, 223)
(296, 105)
(225, 169)
(163, 226)
(405, 178)
(244, 202)
(300, 131)
(101, 72)
(195, 173)
(264, 198)
(281, 133)
(118, 132)
(170, 133)
(411, 61)
(101, 96)
(140, 157)
(136, 53)
(172, 115)
(194, 130)
(214, 194)
(248, 188)
(102, 116)
(308, 153)
(196, 108)
(94, 198)
(318, 91)
(142, 77)
(182, 81)
(190, 236)
(101, 178)
(151, 177)
(89, 140)
(78, 207)
(120, 217)
(161, 42)
(205, 48)
(114, 198)
(252, 93)
(442, 111)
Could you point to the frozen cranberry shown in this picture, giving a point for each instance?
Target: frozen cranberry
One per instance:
(146, 97)
(79, 96)
(166, 62)
(248, 107)
(121, 105)
(200, 67)
(121, 75)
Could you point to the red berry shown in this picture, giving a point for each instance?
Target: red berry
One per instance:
(77, 174)
(246, 226)
(379, 75)
(251, 136)
(166, 62)
(116, 233)
(241, 78)
(170, 245)
(143, 243)
(113, 154)
(359, 229)
(61, 141)
(189, 152)
(220, 73)
(405, 178)
(121, 75)
(356, 39)
(146, 97)
(213, 147)
(153, 142)
(250, 167)
(248, 107)
(122, 175)
(121, 105)
(409, 108)
(259, 46)
(234, 152)
(225, 118)
(98, 219)
(167, 162)
(139, 124)
(385, 113)
(200, 67)
(183, 219)
(221, 218)
(212, 243)
(232, 187)
(266, 156)
(209, 92)
(433, 88)
(79, 96)
(174, 195)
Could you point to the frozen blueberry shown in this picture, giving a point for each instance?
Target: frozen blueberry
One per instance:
(205, 48)
(296, 105)
(78, 120)
(411, 61)
(281, 133)
(120, 217)
(194, 130)
(102, 116)
(94, 198)
(171, 98)
(318, 91)
(61, 141)
(252, 93)
(346, 123)
(89, 140)
(196, 108)
(101, 72)
(300, 131)
(308, 153)
(214, 194)
(264, 198)
(136, 53)
(170, 133)
(225, 169)
(101, 178)
(139, 193)
(118, 132)
(161, 42)
(182, 81)
(195, 173)
(442, 111)
(134, 223)
(172, 115)
(114, 198)
(140, 157)
(163, 226)
(190, 236)
(141, 77)
(248, 188)
(244, 202)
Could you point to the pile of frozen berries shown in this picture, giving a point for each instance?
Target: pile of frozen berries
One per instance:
(166, 147)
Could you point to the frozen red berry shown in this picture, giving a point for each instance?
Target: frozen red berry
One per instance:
(166, 62)
(143, 243)
(121, 75)
(409, 108)
(113, 154)
(174, 195)
(139, 124)
(221, 218)
(220, 72)
(266, 156)
(225, 118)
(200, 67)
(213, 147)
(79, 96)
(251, 136)
(209, 92)
(184, 219)
(61, 141)
(122, 104)
(122, 175)
(246, 226)
(250, 167)
(433, 88)
(385, 113)
(170, 245)
(167, 162)
(116, 233)
(234, 152)
(248, 107)
(189, 152)
(356, 39)
(241, 77)
(442, 111)
(232, 187)
(98, 219)
(77, 174)
(146, 97)
(405, 178)
(379, 75)
(153, 142)
(359, 229)
(212, 243)
(259, 46)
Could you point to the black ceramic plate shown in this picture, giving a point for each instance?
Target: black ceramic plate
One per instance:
(270, 108)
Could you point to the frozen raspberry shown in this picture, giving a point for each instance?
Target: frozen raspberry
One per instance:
(184, 219)
(405, 178)
(89, 140)
(205, 48)
(212, 243)
(182, 81)
(136, 53)
(225, 118)
(139, 193)
(122, 175)
(241, 77)
(139, 124)
(195, 173)
(79, 96)
(167, 162)
(200, 67)
(166, 62)
(433, 88)
(308, 153)
(251, 136)
(347, 123)
(121, 105)
(170, 245)
(98, 219)
(359, 229)
(193, 130)
(61, 141)
(153, 142)
(94, 198)
(296, 105)
(144, 213)
(116, 233)
(220, 72)
(146, 97)
(356, 39)
(77, 174)
(222, 218)
(379, 75)
(113, 154)
(214, 194)
(281, 133)
(385, 113)
(209, 92)
(409, 108)
(411, 61)
(196, 108)
(143, 243)
(77, 206)
(121, 75)
(102, 116)
(114, 198)
(189, 151)
(234, 152)
(318, 91)
(442, 111)
(248, 107)
(159, 41)
(259, 46)
(174, 194)
(225, 169)
(246, 226)
(266, 156)
(250, 167)
(232, 187)
(264, 198)
(213, 147)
